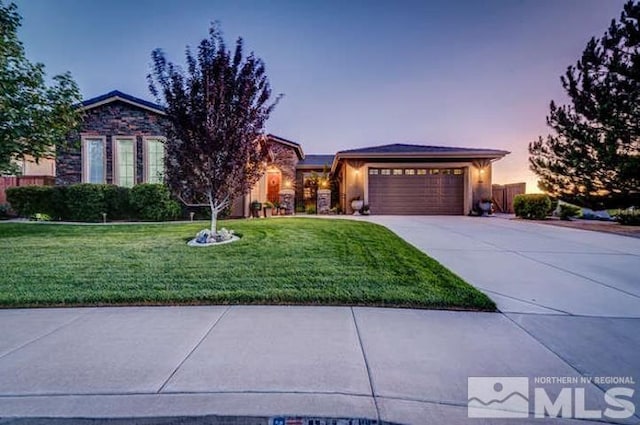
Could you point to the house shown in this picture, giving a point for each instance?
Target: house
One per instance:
(404, 179)
(121, 142)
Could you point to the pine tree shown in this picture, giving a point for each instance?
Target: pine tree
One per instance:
(594, 156)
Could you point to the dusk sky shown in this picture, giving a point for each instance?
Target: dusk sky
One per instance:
(354, 73)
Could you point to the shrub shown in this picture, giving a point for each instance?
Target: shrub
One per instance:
(532, 206)
(554, 206)
(567, 211)
(117, 202)
(153, 202)
(629, 217)
(86, 202)
(310, 209)
(5, 211)
(29, 200)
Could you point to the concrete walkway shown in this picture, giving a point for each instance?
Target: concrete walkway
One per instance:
(402, 366)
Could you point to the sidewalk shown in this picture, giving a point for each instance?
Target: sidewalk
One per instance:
(402, 366)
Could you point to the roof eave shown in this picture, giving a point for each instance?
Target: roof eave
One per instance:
(289, 143)
(488, 154)
(121, 99)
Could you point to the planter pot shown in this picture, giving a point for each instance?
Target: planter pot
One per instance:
(485, 207)
(283, 211)
(255, 213)
(356, 206)
(268, 212)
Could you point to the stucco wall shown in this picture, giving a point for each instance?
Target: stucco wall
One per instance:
(481, 182)
(355, 179)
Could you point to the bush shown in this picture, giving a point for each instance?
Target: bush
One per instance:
(629, 217)
(153, 202)
(117, 202)
(30, 200)
(554, 206)
(5, 211)
(567, 211)
(532, 206)
(86, 202)
(310, 209)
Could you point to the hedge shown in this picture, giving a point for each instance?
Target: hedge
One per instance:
(153, 202)
(532, 206)
(87, 202)
(629, 217)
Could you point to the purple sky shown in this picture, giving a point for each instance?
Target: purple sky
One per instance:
(354, 73)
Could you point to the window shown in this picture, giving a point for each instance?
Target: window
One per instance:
(446, 171)
(385, 172)
(397, 171)
(409, 171)
(154, 160)
(457, 171)
(434, 171)
(124, 162)
(93, 164)
(421, 171)
(373, 171)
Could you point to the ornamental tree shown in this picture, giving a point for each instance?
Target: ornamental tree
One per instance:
(33, 116)
(594, 155)
(215, 149)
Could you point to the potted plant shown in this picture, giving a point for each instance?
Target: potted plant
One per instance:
(365, 210)
(255, 209)
(356, 205)
(485, 205)
(268, 209)
(276, 208)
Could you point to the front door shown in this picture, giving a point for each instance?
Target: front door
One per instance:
(273, 186)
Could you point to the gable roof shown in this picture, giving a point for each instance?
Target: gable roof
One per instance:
(405, 150)
(289, 143)
(316, 161)
(116, 95)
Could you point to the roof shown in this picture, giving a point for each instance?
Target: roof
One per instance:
(117, 95)
(296, 146)
(316, 161)
(405, 150)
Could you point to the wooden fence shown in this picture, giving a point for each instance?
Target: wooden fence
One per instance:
(503, 195)
(13, 181)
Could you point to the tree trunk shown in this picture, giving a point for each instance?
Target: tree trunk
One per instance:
(214, 220)
(214, 213)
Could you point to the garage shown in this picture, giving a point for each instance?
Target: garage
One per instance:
(416, 191)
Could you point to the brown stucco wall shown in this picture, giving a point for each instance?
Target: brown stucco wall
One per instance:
(354, 178)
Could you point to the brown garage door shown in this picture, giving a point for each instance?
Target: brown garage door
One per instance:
(417, 191)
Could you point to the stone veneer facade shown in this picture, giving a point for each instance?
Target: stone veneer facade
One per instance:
(112, 119)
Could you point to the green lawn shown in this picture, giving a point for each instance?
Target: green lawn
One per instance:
(277, 261)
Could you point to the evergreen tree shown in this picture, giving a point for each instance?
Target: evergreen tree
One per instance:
(594, 156)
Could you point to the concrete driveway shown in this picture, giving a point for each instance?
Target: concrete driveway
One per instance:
(570, 309)
(532, 268)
